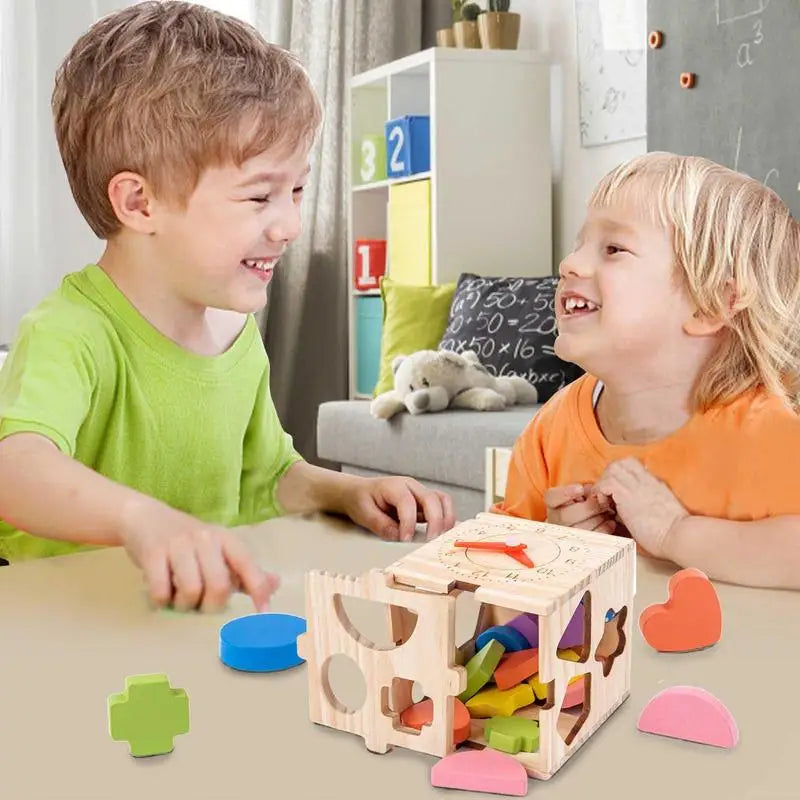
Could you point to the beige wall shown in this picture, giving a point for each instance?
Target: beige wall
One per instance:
(549, 25)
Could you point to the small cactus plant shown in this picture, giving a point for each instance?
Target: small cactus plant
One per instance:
(499, 5)
(470, 12)
(457, 5)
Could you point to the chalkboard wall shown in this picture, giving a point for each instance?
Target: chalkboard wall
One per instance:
(744, 110)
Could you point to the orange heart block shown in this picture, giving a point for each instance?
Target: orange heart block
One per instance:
(422, 714)
(691, 619)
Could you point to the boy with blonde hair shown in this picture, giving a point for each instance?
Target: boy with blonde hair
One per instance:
(134, 406)
(681, 300)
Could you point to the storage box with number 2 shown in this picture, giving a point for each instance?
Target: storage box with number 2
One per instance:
(408, 146)
(370, 263)
(573, 587)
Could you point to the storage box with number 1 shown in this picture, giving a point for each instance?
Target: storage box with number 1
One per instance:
(370, 263)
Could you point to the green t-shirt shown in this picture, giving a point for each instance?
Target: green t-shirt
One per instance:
(92, 375)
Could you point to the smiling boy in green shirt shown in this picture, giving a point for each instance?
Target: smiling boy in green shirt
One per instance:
(134, 405)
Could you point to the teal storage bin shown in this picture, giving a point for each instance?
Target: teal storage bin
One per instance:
(369, 322)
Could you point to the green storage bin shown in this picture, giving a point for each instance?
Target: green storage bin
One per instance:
(369, 322)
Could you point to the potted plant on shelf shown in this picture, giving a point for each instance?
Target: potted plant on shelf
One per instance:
(498, 28)
(465, 27)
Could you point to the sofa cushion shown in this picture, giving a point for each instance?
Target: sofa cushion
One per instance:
(446, 447)
(511, 324)
(414, 318)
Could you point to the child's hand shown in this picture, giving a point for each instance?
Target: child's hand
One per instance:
(645, 505)
(189, 564)
(577, 507)
(392, 507)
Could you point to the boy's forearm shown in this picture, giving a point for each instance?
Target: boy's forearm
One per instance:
(760, 553)
(46, 493)
(305, 488)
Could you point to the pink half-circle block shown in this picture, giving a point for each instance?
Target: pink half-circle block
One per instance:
(690, 713)
(481, 771)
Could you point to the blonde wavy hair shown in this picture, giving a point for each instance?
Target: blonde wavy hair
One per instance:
(728, 232)
(168, 89)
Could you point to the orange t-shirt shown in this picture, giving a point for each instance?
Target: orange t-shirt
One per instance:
(734, 462)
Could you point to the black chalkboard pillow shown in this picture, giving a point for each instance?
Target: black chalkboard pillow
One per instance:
(510, 323)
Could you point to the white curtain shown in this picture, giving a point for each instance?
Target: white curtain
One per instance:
(42, 234)
(306, 320)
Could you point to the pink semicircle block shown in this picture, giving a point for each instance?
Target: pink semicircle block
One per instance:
(690, 713)
(481, 771)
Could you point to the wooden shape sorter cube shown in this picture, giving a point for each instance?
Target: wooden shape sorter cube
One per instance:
(569, 566)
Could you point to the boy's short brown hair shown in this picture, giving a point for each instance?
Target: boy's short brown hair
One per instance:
(729, 232)
(167, 89)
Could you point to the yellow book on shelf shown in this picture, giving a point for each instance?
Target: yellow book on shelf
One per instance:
(410, 232)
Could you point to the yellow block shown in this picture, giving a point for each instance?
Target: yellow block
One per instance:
(569, 655)
(540, 689)
(500, 702)
(410, 232)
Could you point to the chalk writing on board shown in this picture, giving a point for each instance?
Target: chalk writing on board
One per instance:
(738, 149)
(773, 172)
(745, 56)
(733, 10)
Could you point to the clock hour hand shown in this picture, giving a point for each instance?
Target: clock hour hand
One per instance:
(520, 556)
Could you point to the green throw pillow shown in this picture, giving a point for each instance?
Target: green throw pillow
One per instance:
(414, 318)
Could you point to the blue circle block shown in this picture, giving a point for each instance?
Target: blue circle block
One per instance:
(509, 637)
(261, 642)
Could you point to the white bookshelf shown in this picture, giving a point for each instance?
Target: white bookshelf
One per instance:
(490, 170)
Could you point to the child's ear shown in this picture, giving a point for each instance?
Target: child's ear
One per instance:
(700, 324)
(131, 198)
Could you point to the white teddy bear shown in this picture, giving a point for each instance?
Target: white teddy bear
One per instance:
(432, 380)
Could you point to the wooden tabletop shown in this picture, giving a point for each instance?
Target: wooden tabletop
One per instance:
(74, 627)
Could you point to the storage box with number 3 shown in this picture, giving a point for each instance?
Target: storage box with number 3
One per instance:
(370, 263)
(408, 146)
(372, 166)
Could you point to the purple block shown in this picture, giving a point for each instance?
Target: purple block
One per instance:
(528, 626)
(573, 635)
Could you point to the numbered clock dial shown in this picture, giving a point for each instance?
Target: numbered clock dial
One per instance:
(554, 554)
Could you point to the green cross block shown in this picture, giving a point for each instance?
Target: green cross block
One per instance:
(148, 714)
(512, 734)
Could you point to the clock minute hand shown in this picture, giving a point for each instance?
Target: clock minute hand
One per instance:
(516, 551)
(499, 546)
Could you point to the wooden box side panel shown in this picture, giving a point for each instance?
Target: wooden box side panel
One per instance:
(427, 657)
(612, 589)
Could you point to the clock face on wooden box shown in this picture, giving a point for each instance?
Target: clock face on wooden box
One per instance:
(505, 552)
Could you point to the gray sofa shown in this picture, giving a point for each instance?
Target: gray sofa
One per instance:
(445, 450)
